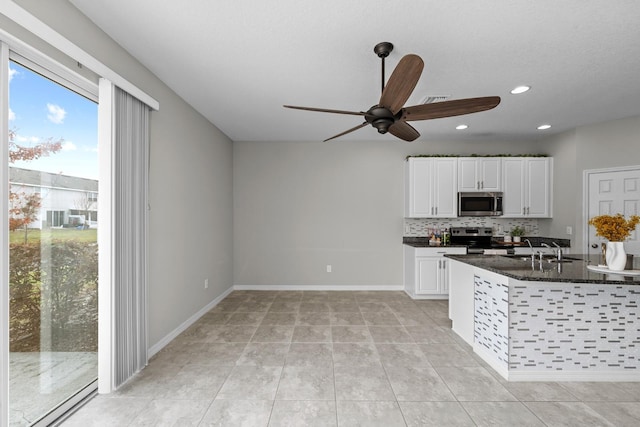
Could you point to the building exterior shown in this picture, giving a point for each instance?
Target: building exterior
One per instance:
(65, 201)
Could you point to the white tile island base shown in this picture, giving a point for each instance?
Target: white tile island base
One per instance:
(545, 330)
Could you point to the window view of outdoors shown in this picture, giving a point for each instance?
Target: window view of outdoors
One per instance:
(53, 268)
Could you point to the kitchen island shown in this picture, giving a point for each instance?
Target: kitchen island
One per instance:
(549, 320)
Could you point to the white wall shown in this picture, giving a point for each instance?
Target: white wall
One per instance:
(602, 145)
(299, 206)
(566, 187)
(190, 183)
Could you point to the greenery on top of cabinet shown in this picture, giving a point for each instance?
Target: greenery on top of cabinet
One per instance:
(477, 155)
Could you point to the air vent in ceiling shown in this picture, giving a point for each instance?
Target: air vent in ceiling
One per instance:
(430, 99)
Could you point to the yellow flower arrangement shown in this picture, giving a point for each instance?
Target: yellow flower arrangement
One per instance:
(614, 228)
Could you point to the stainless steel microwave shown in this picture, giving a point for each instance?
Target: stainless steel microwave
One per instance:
(480, 204)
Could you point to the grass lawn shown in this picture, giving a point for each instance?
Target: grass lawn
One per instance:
(35, 235)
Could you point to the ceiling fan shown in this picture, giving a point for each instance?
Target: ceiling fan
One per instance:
(390, 115)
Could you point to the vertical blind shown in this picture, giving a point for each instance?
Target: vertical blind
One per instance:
(130, 219)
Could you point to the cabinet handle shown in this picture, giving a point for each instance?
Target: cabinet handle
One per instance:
(444, 264)
(436, 210)
(482, 185)
(527, 210)
(524, 211)
(478, 185)
(439, 263)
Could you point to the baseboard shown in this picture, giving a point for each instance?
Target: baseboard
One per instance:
(183, 327)
(435, 296)
(318, 288)
(576, 376)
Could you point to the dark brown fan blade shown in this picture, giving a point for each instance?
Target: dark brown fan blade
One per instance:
(401, 83)
(324, 110)
(404, 130)
(458, 107)
(346, 132)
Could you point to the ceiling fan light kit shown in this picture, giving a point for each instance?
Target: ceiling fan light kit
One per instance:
(390, 115)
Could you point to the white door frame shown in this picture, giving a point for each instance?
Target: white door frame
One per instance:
(585, 198)
(4, 237)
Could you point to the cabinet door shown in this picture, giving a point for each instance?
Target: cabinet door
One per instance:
(490, 174)
(418, 197)
(538, 197)
(427, 275)
(468, 175)
(445, 194)
(513, 187)
(480, 174)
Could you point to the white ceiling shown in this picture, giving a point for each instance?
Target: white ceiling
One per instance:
(238, 61)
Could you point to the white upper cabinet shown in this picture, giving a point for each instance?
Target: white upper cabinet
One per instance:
(431, 187)
(527, 187)
(480, 174)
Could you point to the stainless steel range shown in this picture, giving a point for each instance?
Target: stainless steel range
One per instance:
(477, 239)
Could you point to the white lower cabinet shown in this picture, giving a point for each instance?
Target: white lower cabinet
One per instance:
(426, 271)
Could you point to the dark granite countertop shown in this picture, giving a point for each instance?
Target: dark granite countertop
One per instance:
(423, 242)
(575, 271)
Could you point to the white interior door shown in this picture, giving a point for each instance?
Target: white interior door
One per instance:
(610, 192)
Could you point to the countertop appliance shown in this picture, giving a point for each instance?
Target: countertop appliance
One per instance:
(480, 204)
(477, 239)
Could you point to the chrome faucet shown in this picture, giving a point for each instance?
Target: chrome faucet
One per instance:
(533, 254)
(530, 245)
(558, 252)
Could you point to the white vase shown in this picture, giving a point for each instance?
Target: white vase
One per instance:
(615, 256)
(516, 239)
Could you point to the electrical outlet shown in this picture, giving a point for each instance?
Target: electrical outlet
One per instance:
(407, 229)
(569, 230)
(329, 268)
(206, 283)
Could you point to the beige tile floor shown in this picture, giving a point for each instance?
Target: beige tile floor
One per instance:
(341, 358)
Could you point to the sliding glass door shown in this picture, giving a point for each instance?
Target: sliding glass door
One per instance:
(53, 249)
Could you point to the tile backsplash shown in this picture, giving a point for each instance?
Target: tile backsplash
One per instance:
(419, 227)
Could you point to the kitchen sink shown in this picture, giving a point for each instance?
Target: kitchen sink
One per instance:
(545, 257)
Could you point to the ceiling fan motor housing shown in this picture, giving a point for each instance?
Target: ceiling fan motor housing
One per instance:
(381, 118)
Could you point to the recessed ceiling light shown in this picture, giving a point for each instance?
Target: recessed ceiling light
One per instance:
(461, 127)
(520, 89)
(544, 127)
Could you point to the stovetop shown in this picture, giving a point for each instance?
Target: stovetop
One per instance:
(472, 232)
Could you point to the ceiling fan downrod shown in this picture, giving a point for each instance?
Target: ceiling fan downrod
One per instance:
(383, 50)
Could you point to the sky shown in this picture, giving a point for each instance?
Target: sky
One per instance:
(40, 109)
